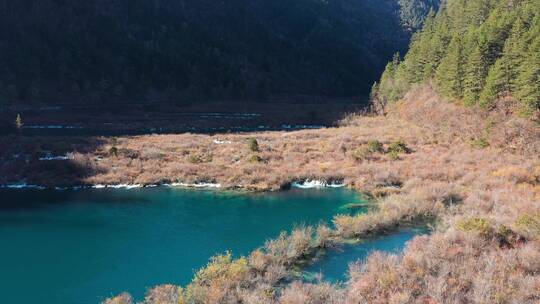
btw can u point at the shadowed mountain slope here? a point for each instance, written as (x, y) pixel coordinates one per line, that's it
(57, 51)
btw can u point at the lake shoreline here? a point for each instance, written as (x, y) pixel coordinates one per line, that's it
(306, 184)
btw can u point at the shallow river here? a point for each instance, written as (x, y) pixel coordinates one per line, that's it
(81, 246)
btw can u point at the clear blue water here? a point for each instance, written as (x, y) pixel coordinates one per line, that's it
(82, 246)
(334, 265)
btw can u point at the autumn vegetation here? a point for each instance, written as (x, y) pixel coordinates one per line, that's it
(483, 202)
(456, 144)
(421, 162)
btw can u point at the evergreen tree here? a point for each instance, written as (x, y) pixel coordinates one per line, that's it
(419, 54)
(495, 83)
(450, 72)
(476, 70)
(387, 87)
(435, 54)
(513, 54)
(528, 81)
(413, 65)
(18, 122)
(373, 95)
(503, 74)
(414, 12)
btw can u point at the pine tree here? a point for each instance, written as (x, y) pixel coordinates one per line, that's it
(495, 83)
(513, 54)
(413, 12)
(18, 122)
(450, 72)
(413, 65)
(497, 29)
(476, 70)
(436, 51)
(528, 81)
(374, 91)
(418, 56)
(385, 87)
(388, 90)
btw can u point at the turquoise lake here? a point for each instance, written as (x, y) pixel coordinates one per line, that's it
(82, 246)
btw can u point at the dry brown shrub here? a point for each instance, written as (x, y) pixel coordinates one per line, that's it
(323, 235)
(305, 293)
(275, 273)
(165, 294)
(529, 258)
(123, 298)
(218, 282)
(259, 294)
(449, 122)
(516, 174)
(150, 153)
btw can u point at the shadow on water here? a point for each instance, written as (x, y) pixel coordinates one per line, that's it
(140, 118)
(48, 161)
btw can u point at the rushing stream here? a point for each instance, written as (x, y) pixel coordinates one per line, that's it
(80, 246)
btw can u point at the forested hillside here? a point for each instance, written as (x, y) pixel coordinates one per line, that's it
(475, 51)
(162, 50)
(414, 12)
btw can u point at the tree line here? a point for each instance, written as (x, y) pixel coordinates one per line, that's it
(414, 12)
(475, 51)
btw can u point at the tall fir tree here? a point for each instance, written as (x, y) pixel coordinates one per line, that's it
(417, 57)
(495, 82)
(450, 72)
(503, 74)
(436, 49)
(513, 54)
(18, 122)
(475, 71)
(528, 81)
(388, 87)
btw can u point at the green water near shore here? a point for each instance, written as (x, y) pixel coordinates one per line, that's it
(82, 246)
